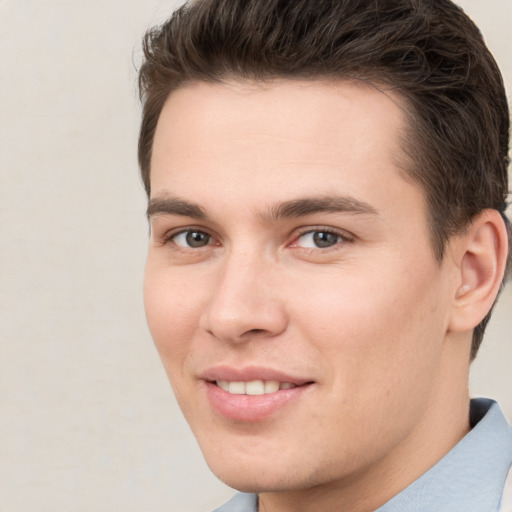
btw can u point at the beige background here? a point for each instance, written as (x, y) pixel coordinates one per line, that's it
(87, 420)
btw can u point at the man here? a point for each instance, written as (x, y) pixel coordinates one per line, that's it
(327, 184)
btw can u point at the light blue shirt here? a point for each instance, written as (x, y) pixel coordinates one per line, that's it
(469, 478)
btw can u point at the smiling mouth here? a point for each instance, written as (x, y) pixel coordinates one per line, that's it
(254, 387)
(252, 400)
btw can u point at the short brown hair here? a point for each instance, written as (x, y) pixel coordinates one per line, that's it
(427, 50)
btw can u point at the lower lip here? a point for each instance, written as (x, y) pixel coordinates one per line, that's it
(251, 408)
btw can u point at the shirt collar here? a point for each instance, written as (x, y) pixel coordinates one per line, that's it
(471, 476)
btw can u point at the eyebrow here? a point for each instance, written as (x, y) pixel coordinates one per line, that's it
(324, 204)
(286, 210)
(174, 206)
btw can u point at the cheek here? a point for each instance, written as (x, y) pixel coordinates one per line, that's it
(172, 319)
(172, 316)
(380, 346)
(374, 325)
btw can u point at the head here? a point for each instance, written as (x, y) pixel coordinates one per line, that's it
(392, 116)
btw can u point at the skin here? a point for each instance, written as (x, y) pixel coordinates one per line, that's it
(366, 320)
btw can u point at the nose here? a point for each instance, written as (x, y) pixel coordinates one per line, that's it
(245, 302)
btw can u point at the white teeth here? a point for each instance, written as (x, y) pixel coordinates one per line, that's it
(254, 387)
(237, 388)
(271, 386)
(224, 384)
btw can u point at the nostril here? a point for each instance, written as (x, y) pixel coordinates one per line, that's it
(255, 331)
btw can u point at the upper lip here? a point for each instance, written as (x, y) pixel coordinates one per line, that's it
(250, 373)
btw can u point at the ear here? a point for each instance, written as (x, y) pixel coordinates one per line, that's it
(481, 257)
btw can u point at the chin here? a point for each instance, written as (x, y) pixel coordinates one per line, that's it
(256, 476)
(244, 476)
(247, 480)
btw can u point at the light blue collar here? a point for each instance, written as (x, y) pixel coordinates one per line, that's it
(471, 476)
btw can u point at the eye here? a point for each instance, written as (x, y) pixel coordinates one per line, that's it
(192, 239)
(319, 239)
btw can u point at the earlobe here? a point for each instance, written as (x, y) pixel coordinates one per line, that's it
(482, 259)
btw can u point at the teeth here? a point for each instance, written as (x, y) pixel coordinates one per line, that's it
(237, 388)
(254, 387)
(224, 384)
(271, 386)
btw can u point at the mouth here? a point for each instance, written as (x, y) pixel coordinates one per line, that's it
(253, 394)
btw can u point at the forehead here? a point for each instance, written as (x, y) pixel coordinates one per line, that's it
(318, 112)
(270, 141)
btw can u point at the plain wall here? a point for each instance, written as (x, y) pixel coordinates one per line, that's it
(87, 418)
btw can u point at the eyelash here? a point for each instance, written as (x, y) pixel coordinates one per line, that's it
(342, 236)
(170, 237)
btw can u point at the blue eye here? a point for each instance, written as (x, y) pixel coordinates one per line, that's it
(192, 239)
(319, 239)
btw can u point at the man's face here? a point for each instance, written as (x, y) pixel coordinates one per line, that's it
(290, 262)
